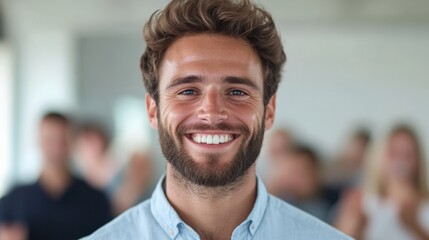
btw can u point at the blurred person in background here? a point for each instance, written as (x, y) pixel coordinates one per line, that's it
(279, 140)
(135, 183)
(395, 203)
(297, 179)
(126, 185)
(57, 205)
(276, 143)
(95, 163)
(347, 169)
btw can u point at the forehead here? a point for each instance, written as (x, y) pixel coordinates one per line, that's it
(52, 125)
(210, 55)
(402, 139)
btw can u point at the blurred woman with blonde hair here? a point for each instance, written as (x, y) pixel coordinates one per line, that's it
(394, 204)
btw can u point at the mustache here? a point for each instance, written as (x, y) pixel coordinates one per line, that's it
(243, 129)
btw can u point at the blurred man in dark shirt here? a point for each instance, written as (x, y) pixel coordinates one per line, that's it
(297, 179)
(57, 205)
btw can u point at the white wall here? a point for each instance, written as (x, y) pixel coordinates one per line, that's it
(338, 76)
(46, 82)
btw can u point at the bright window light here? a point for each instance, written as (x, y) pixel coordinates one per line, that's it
(6, 116)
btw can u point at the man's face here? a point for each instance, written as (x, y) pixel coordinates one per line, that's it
(298, 176)
(54, 142)
(210, 116)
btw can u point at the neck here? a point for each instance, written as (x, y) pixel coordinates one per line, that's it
(399, 187)
(55, 180)
(213, 212)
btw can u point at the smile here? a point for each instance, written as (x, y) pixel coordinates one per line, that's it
(212, 138)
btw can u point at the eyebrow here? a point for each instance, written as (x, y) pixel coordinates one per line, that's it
(241, 80)
(199, 79)
(184, 80)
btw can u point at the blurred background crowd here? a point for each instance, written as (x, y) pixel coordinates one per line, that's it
(348, 145)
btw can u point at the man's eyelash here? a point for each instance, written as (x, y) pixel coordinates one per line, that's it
(234, 92)
(187, 92)
(240, 92)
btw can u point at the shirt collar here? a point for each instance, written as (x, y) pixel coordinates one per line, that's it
(163, 212)
(258, 211)
(73, 184)
(169, 220)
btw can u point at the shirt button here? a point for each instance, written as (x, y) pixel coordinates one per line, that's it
(170, 232)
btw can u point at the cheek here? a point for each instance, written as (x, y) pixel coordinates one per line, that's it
(249, 113)
(172, 114)
(413, 163)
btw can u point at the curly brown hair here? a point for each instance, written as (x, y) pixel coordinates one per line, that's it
(242, 19)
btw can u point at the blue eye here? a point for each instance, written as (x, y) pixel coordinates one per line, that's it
(188, 92)
(237, 92)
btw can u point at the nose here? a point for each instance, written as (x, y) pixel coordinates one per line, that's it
(212, 109)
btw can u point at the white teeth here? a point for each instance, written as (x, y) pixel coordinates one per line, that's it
(209, 139)
(212, 139)
(215, 139)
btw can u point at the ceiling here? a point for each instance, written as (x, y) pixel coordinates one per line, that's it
(24, 16)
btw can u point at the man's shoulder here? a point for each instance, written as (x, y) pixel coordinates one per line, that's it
(295, 222)
(21, 191)
(14, 204)
(136, 221)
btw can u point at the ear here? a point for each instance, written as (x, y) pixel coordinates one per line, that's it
(152, 110)
(270, 111)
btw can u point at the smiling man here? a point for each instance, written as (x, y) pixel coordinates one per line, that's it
(211, 69)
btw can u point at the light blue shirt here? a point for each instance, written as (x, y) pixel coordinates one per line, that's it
(270, 218)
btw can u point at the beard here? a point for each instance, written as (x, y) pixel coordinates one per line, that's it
(211, 173)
